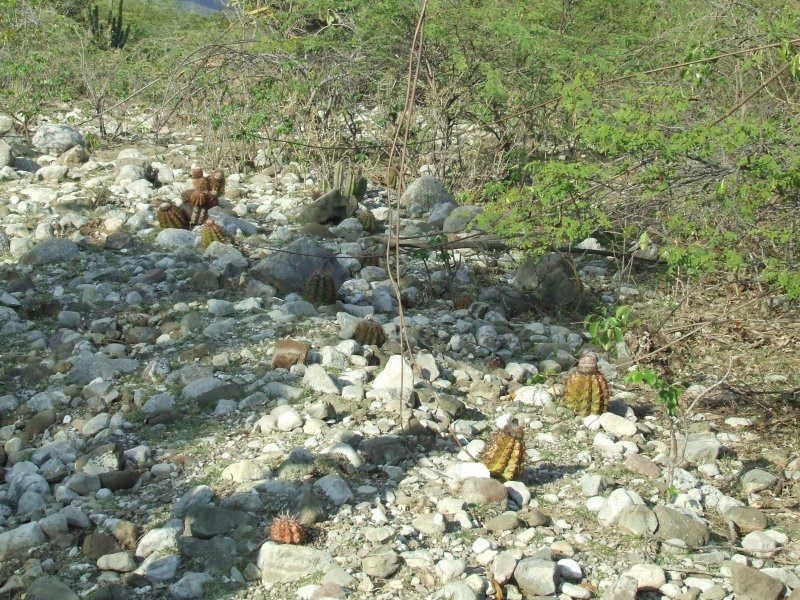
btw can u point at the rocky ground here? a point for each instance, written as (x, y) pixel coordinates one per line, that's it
(162, 405)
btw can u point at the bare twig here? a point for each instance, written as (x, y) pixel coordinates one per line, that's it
(711, 388)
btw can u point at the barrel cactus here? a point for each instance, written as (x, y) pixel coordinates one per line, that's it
(200, 203)
(172, 217)
(211, 231)
(504, 455)
(320, 289)
(369, 332)
(360, 188)
(368, 221)
(287, 529)
(199, 180)
(216, 182)
(586, 390)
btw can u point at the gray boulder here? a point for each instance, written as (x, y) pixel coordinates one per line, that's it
(426, 192)
(176, 238)
(55, 139)
(54, 250)
(87, 367)
(105, 458)
(49, 588)
(16, 542)
(459, 218)
(6, 154)
(6, 124)
(74, 157)
(440, 212)
(554, 277)
(330, 208)
(536, 577)
(288, 271)
(674, 525)
(282, 563)
(750, 583)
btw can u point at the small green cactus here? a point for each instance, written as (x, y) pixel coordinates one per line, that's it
(211, 231)
(369, 332)
(320, 289)
(172, 217)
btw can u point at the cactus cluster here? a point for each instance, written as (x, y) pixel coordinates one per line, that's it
(172, 217)
(349, 183)
(112, 36)
(320, 289)
(205, 195)
(504, 455)
(211, 231)
(369, 332)
(287, 529)
(586, 390)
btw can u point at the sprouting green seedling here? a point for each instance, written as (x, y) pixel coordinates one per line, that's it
(608, 330)
(668, 393)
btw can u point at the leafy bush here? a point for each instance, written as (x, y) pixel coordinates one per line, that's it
(619, 120)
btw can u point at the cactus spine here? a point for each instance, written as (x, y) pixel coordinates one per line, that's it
(586, 390)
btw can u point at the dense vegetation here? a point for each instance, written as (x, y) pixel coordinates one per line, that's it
(641, 122)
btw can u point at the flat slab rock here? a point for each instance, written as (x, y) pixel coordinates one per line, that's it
(54, 250)
(49, 588)
(284, 563)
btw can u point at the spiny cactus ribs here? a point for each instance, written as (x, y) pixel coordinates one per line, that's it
(586, 390)
(206, 194)
(172, 217)
(369, 332)
(505, 453)
(368, 221)
(287, 529)
(216, 182)
(212, 232)
(320, 289)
